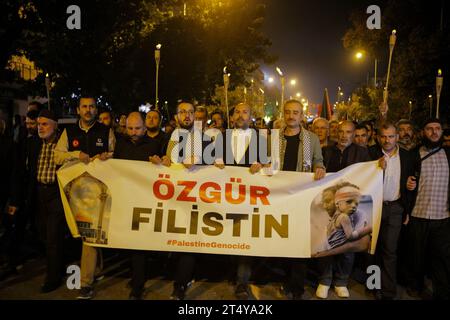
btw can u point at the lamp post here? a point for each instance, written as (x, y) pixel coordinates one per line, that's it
(439, 81)
(157, 59)
(375, 75)
(410, 109)
(47, 86)
(226, 82)
(430, 99)
(282, 89)
(359, 55)
(392, 40)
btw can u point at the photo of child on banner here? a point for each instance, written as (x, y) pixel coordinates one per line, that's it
(340, 215)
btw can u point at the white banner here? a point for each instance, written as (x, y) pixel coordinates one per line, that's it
(138, 205)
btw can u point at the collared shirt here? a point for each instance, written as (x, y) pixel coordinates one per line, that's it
(240, 140)
(62, 152)
(184, 145)
(46, 169)
(391, 181)
(432, 192)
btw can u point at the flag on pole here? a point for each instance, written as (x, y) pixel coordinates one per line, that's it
(324, 110)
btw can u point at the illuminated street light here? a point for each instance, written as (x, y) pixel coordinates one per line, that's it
(47, 86)
(359, 55)
(392, 40)
(430, 99)
(282, 89)
(298, 94)
(293, 82)
(270, 80)
(157, 59)
(226, 82)
(439, 81)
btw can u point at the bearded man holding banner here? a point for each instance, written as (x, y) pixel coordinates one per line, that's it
(137, 146)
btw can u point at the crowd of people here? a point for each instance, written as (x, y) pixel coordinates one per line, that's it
(414, 236)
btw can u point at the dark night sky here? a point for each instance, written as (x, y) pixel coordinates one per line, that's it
(307, 38)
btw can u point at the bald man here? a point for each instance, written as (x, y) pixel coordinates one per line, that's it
(137, 146)
(345, 152)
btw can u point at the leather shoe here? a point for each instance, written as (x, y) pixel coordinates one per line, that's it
(50, 286)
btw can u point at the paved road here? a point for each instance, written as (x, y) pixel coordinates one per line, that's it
(212, 282)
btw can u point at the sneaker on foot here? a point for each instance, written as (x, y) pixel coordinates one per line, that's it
(86, 293)
(322, 291)
(342, 292)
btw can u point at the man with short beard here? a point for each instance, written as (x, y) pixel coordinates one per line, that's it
(429, 224)
(86, 141)
(104, 117)
(406, 134)
(140, 147)
(31, 123)
(186, 147)
(396, 165)
(361, 136)
(242, 148)
(154, 132)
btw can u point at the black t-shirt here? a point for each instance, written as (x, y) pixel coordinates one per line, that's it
(161, 140)
(140, 151)
(291, 154)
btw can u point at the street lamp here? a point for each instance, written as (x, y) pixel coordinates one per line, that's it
(282, 88)
(410, 109)
(298, 94)
(270, 80)
(359, 55)
(157, 59)
(226, 82)
(293, 82)
(439, 81)
(392, 40)
(47, 86)
(430, 99)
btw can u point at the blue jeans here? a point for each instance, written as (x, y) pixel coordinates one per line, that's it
(336, 269)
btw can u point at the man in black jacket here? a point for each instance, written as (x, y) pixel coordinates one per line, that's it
(242, 147)
(344, 153)
(397, 165)
(22, 200)
(137, 146)
(86, 141)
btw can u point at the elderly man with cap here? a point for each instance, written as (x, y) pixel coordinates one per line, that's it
(429, 223)
(50, 219)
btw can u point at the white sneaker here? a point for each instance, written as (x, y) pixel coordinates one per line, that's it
(322, 291)
(342, 292)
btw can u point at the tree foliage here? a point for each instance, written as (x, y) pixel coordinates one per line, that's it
(113, 53)
(422, 48)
